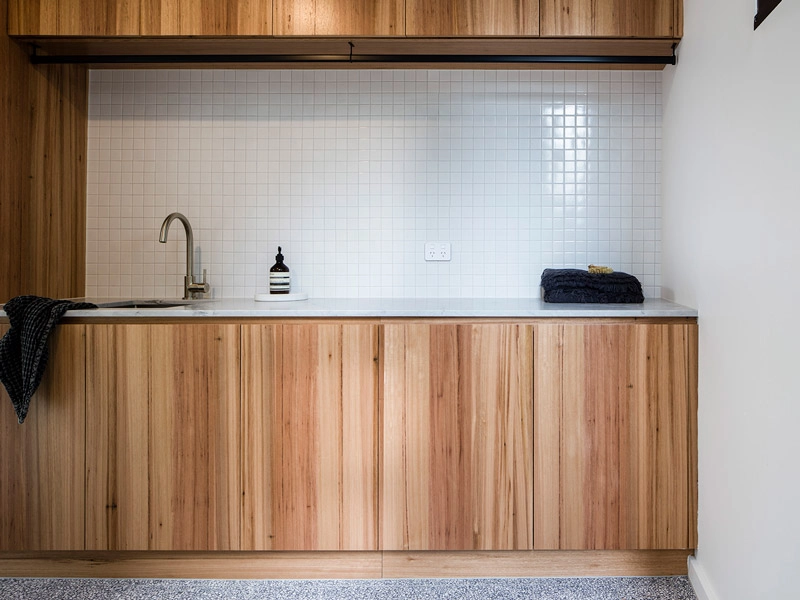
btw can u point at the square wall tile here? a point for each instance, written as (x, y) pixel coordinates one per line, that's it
(351, 172)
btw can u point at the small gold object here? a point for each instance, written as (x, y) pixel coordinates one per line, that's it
(599, 269)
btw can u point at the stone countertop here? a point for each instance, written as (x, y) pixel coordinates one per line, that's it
(391, 308)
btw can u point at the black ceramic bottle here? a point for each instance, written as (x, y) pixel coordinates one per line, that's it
(279, 276)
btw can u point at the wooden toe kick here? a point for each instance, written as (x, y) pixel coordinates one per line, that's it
(344, 565)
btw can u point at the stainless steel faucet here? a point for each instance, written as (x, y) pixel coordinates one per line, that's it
(191, 288)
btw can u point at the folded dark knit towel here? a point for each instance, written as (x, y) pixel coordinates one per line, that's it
(578, 286)
(23, 349)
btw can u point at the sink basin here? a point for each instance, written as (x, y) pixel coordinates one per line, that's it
(154, 303)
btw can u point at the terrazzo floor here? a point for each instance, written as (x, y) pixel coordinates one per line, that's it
(592, 588)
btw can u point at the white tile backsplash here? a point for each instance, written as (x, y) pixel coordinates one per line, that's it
(352, 171)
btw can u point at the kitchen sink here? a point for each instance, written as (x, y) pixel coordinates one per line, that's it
(153, 303)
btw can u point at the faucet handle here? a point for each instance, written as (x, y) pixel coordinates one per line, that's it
(201, 287)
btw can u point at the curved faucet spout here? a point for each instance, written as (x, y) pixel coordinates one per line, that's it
(190, 286)
(162, 237)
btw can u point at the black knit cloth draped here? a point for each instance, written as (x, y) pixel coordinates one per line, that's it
(578, 286)
(23, 349)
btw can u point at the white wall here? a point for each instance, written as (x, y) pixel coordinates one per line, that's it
(731, 231)
(352, 171)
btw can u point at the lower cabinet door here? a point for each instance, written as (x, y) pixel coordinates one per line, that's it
(310, 436)
(195, 437)
(457, 470)
(163, 437)
(613, 430)
(41, 477)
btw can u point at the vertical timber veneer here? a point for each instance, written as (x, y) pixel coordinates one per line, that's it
(466, 18)
(164, 428)
(43, 126)
(613, 427)
(41, 479)
(310, 436)
(457, 457)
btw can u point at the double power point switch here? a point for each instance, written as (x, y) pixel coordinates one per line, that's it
(437, 251)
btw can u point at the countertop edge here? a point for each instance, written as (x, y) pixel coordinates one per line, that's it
(393, 308)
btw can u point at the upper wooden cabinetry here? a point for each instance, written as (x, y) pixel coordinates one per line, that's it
(204, 17)
(610, 18)
(109, 18)
(43, 165)
(454, 18)
(339, 17)
(368, 18)
(74, 17)
(397, 33)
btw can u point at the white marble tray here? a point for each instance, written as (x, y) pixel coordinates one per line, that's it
(291, 297)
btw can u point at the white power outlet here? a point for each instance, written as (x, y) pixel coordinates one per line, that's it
(437, 251)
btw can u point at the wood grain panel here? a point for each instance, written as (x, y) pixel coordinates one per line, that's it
(32, 17)
(405, 500)
(98, 17)
(194, 437)
(457, 470)
(618, 395)
(195, 565)
(346, 565)
(199, 17)
(261, 360)
(339, 17)
(117, 401)
(41, 482)
(548, 352)
(310, 420)
(253, 17)
(14, 131)
(661, 478)
(691, 368)
(74, 17)
(677, 19)
(54, 217)
(586, 563)
(609, 18)
(449, 18)
(43, 187)
(360, 435)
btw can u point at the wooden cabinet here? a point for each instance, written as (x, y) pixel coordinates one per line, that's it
(74, 17)
(310, 427)
(118, 408)
(43, 125)
(613, 436)
(355, 435)
(206, 18)
(41, 480)
(381, 33)
(375, 18)
(457, 423)
(611, 18)
(163, 416)
(452, 18)
(194, 437)
(109, 18)
(339, 17)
